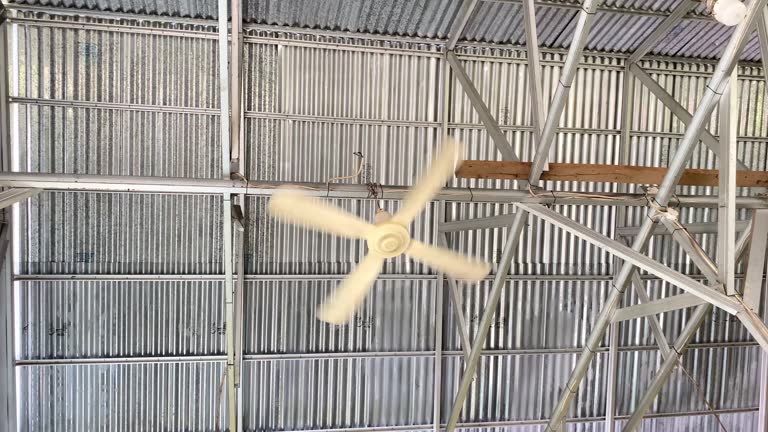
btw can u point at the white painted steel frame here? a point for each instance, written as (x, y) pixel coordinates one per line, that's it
(575, 51)
(707, 104)
(8, 197)
(635, 258)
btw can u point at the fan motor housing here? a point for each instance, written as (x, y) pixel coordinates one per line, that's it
(389, 239)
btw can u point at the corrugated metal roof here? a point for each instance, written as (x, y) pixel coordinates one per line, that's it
(492, 21)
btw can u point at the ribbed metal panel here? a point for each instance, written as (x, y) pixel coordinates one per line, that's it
(732, 422)
(120, 233)
(139, 397)
(531, 314)
(119, 319)
(527, 387)
(118, 142)
(117, 67)
(280, 317)
(312, 394)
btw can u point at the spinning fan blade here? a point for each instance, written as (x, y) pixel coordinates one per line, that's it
(439, 172)
(300, 209)
(348, 296)
(454, 265)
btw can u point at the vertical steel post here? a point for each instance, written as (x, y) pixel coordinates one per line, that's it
(237, 167)
(224, 87)
(726, 212)
(583, 25)
(224, 124)
(753, 280)
(613, 364)
(534, 69)
(762, 33)
(438, 361)
(7, 331)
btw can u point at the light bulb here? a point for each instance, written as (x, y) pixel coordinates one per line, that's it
(729, 12)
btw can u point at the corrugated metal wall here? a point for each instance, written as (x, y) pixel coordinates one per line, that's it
(310, 105)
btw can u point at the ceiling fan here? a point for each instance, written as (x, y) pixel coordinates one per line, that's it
(388, 237)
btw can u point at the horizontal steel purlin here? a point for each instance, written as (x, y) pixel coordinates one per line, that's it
(181, 185)
(53, 277)
(354, 355)
(512, 423)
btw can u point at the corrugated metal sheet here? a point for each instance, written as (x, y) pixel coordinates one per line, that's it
(316, 394)
(492, 21)
(120, 233)
(117, 67)
(527, 387)
(281, 318)
(119, 319)
(142, 397)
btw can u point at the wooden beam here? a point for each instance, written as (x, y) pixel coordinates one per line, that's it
(507, 170)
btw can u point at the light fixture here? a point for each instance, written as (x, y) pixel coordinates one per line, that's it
(727, 12)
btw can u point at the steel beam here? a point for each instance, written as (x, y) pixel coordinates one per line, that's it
(568, 73)
(538, 115)
(9, 197)
(753, 283)
(7, 331)
(490, 123)
(653, 320)
(762, 421)
(633, 257)
(574, 55)
(692, 248)
(64, 277)
(237, 147)
(692, 228)
(223, 47)
(661, 30)
(505, 262)
(177, 185)
(457, 305)
(703, 114)
(697, 318)
(224, 126)
(613, 365)
(726, 211)
(680, 346)
(678, 110)
(656, 307)
(457, 28)
(609, 9)
(229, 311)
(438, 342)
(478, 223)
(762, 33)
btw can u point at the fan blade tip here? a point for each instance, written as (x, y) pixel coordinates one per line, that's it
(330, 316)
(478, 272)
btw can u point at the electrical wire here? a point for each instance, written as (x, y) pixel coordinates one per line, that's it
(357, 173)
